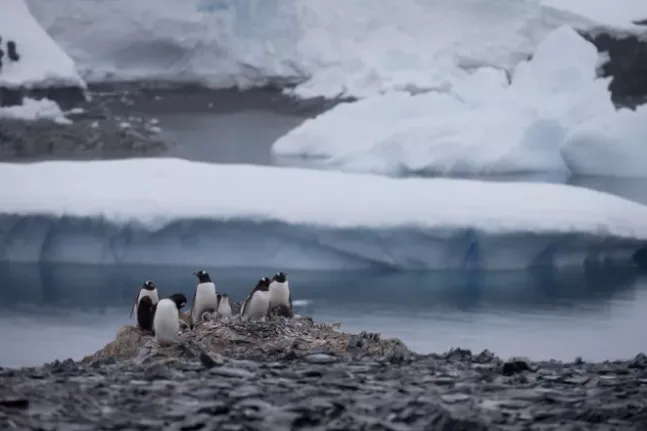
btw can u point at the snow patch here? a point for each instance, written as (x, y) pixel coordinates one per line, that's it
(42, 63)
(170, 211)
(329, 47)
(32, 110)
(485, 126)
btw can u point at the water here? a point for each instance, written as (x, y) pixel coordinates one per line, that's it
(60, 310)
(57, 311)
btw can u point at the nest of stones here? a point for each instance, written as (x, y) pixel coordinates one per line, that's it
(276, 338)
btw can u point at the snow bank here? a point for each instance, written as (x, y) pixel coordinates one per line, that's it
(42, 63)
(329, 47)
(169, 211)
(30, 110)
(554, 116)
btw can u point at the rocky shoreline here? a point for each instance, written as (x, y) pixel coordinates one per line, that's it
(299, 375)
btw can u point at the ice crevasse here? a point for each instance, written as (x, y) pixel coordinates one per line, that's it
(554, 115)
(176, 212)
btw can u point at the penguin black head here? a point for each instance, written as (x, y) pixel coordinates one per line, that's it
(263, 284)
(179, 299)
(203, 276)
(149, 285)
(280, 277)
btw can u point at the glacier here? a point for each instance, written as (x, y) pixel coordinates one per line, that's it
(554, 115)
(42, 62)
(330, 48)
(177, 212)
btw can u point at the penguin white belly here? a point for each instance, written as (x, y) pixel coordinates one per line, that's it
(152, 294)
(224, 310)
(280, 294)
(166, 322)
(205, 297)
(256, 306)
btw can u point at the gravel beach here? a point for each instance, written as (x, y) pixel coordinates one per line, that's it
(298, 375)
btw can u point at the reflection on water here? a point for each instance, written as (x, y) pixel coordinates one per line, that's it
(56, 311)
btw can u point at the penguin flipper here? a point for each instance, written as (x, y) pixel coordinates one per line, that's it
(132, 309)
(242, 309)
(290, 299)
(193, 304)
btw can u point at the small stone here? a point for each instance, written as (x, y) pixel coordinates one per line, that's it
(320, 358)
(231, 372)
(455, 398)
(14, 402)
(210, 360)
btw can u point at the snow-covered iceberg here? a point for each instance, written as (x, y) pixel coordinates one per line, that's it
(555, 115)
(170, 211)
(42, 63)
(331, 47)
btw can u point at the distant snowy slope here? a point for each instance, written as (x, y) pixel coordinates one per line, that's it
(332, 47)
(42, 63)
(614, 14)
(179, 212)
(547, 119)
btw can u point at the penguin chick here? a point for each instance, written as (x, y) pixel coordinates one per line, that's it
(145, 313)
(208, 315)
(148, 289)
(257, 303)
(224, 306)
(166, 322)
(280, 291)
(204, 296)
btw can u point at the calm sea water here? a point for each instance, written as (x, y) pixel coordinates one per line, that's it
(57, 311)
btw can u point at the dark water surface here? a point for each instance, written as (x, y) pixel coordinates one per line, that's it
(57, 311)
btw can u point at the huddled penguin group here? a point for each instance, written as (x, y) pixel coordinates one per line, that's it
(163, 317)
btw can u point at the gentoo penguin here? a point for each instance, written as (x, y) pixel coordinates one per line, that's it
(180, 300)
(224, 306)
(204, 296)
(148, 289)
(207, 315)
(145, 313)
(258, 302)
(166, 322)
(280, 291)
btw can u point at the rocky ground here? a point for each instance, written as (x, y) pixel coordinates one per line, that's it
(298, 375)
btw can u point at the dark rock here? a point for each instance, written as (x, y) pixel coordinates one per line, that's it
(514, 367)
(627, 64)
(14, 402)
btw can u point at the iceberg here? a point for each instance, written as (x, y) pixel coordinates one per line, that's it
(555, 115)
(177, 212)
(42, 62)
(32, 110)
(329, 48)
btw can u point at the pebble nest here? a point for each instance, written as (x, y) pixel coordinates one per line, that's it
(295, 374)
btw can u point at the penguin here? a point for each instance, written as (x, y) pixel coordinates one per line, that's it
(166, 323)
(11, 51)
(224, 306)
(148, 289)
(180, 300)
(204, 297)
(280, 291)
(257, 303)
(145, 313)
